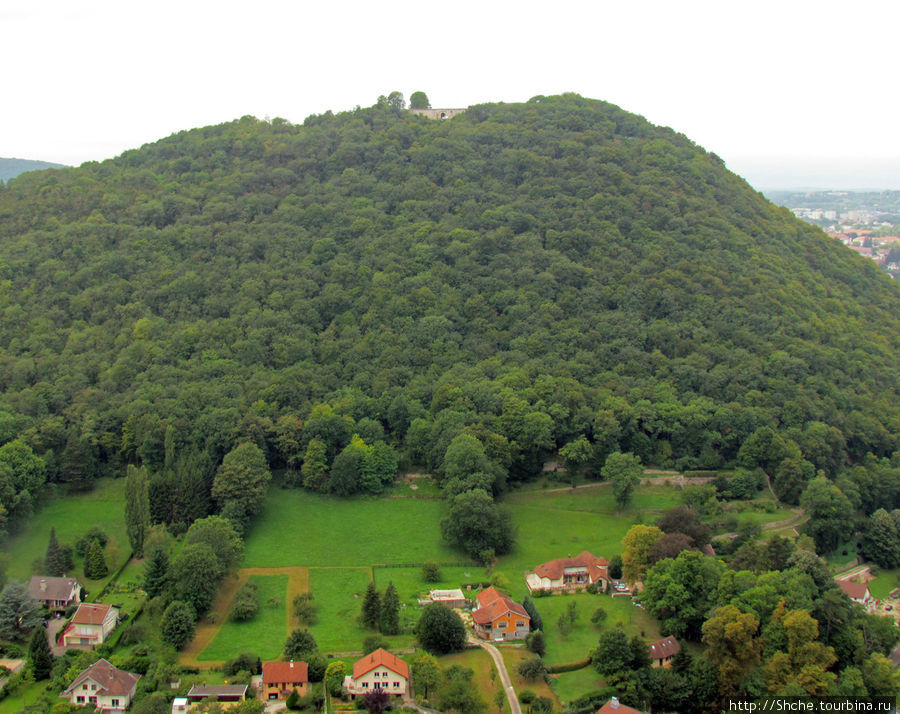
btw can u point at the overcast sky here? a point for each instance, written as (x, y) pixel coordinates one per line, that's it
(787, 87)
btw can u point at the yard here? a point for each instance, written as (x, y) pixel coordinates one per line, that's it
(265, 634)
(71, 516)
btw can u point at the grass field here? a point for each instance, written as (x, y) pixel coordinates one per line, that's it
(265, 634)
(485, 681)
(577, 645)
(513, 657)
(72, 515)
(572, 685)
(410, 585)
(27, 695)
(884, 582)
(301, 528)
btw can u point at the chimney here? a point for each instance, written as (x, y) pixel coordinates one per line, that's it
(614, 703)
(292, 664)
(43, 585)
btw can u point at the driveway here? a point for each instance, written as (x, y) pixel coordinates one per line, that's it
(501, 668)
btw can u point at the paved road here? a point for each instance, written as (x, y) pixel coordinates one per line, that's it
(504, 675)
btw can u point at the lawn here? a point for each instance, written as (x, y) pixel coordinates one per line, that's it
(72, 515)
(884, 582)
(410, 586)
(577, 645)
(301, 528)
(265, 634)
(513, 657)
(27, 695)
(338, 594)
(571, 685)
(485, 680)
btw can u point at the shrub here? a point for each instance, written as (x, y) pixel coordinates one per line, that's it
(245, 604)
(431, 572)
(532, 669)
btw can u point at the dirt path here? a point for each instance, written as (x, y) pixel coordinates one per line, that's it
(794, 520)
(674, 479)
(298, 582)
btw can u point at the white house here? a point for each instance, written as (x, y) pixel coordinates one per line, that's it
(91, 625)
(107, 688)
(378, 670)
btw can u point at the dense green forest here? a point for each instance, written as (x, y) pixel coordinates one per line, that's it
(533, 276)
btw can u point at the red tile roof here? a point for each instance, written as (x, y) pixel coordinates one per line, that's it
(668, 647)
(89, 613)
(288, 672)
(113, 682)
(856, 591)
(494, 604)
(613, 706)
(553, 570)
(380, 658)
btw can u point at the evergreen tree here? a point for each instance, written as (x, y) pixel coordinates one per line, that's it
(536, 622)
(55, 559)
(371, 607)
(390, 611)
(39, 654)
(157, 572)
(137, 508)
(95, 562)
(177, 626)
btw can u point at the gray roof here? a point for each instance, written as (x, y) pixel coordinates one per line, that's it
(217, 690)
(44, 587)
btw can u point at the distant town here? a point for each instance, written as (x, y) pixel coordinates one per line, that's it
(866, 222)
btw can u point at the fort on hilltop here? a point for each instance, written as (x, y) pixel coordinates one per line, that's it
(438, 113)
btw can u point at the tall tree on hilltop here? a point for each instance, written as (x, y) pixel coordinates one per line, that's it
(137, 508)
(419, 100)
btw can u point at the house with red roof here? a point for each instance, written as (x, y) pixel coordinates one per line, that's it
(614, 706)
(499, 617)
(107, 688)
(857, 592)
(90, 625)
(279, 679)
(569, 574)
(378, 670)
(663, 652)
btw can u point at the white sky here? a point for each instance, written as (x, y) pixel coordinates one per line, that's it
(763, 83)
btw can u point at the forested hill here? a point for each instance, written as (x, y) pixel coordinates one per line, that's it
(10, 168)
(530, 273)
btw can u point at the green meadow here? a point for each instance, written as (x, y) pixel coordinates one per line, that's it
(72, 515)
(265, 634)
(301, 528)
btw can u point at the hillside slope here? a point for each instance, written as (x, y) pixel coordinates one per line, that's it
(10, 168)
(530, 273)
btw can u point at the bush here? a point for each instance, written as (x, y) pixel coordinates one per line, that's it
(246, 661)
(305, 608)
(431, 572)
(599, 616)
(245, 604)
(535, 643)
(532, 669)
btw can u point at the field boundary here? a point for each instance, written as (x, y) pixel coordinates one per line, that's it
(298, 582)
